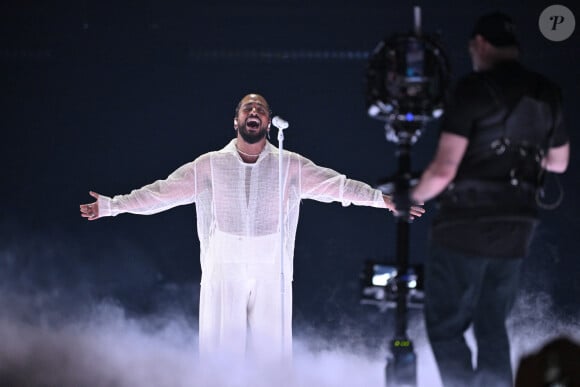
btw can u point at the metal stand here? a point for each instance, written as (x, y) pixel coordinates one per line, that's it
(281, 125)
(401, 368)
(406, 79)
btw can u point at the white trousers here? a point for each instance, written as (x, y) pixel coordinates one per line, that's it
(243, 317)
(240, 309)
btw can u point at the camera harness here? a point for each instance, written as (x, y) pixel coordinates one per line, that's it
(520, 155)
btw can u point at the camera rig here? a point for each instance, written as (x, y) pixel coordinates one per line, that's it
(406, 79)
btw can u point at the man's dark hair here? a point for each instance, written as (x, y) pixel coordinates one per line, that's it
(240, 105)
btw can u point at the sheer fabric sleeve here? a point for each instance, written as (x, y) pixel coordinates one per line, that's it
(177, 189)
(326, 185)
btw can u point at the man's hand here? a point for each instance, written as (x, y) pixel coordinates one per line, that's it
(416, 211)
(91, 211)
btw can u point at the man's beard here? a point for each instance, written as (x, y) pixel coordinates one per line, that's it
(252, 138)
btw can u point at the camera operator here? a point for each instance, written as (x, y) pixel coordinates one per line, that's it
(502, 130)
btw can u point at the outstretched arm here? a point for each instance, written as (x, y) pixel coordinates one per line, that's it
(179, 188)
(326, 185)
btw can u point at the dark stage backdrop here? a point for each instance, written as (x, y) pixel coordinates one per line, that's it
(109, 96)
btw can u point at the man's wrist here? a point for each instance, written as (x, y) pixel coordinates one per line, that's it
(389, 202)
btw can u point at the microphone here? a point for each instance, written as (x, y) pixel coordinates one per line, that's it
(280, 123)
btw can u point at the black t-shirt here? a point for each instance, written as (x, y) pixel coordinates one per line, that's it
(477, 108)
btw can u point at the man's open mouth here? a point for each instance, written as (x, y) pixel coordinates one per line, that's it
(253, 123)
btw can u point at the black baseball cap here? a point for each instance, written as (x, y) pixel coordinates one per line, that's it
(497, 28)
